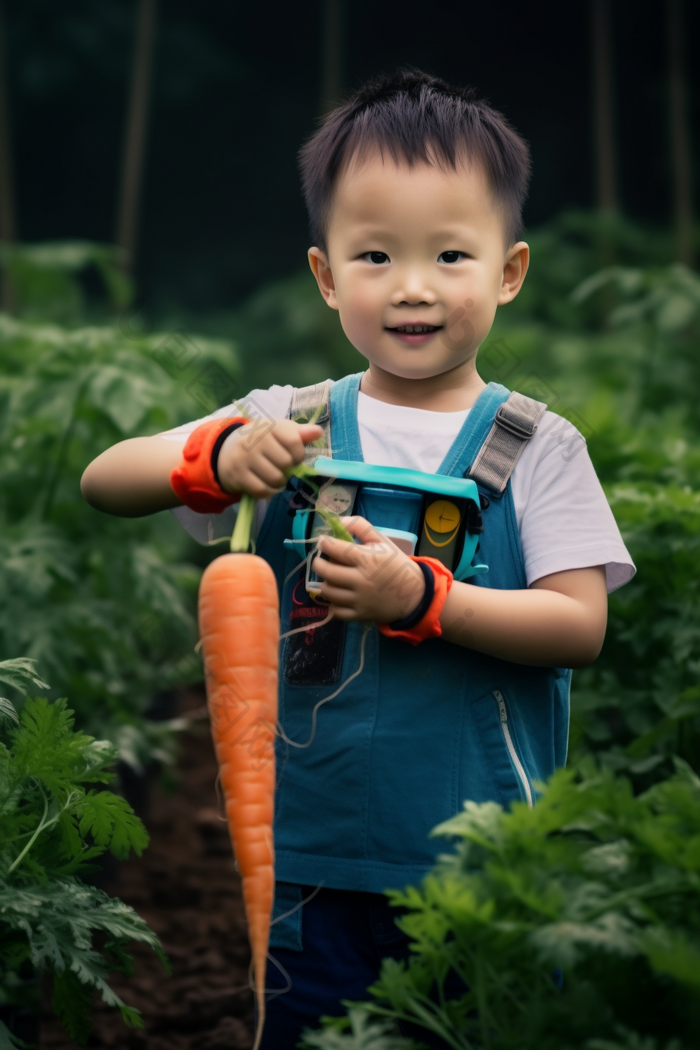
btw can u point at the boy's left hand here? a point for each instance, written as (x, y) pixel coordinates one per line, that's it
(370, 580)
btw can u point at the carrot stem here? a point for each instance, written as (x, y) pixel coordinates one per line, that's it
(240, 538)
(335, 524)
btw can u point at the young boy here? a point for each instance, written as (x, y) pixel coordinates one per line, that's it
(414, 191)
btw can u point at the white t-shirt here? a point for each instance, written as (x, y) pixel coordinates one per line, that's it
(564, 519)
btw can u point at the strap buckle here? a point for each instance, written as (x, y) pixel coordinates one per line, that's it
(510, 426)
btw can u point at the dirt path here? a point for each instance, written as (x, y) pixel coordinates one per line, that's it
(186, 888)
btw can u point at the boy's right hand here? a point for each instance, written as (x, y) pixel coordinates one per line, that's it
(252, 459)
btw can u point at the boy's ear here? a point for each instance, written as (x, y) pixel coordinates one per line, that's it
(322, 272)
(515, 267)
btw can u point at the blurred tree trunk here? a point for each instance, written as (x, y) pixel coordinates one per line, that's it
(604, 146)
(7, 202)
(135, 138)
(603, 119)
(680, 133)
(332, 54)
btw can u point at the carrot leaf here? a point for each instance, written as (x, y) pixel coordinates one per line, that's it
(241, 539)
(335, 523)
(112, 823)
(53, 824)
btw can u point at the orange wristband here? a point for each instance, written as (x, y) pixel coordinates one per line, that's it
(195, 481)
(429, 626)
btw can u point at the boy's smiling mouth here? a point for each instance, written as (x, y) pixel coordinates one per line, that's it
(416, 328)
(414, 334)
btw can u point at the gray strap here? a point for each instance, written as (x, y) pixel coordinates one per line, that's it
(305, 400)
(514, 424)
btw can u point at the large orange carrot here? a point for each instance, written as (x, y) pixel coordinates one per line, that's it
(239, 632)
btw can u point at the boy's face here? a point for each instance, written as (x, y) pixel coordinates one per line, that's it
(417, 246)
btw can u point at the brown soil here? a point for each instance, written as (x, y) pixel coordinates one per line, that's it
(186, 888)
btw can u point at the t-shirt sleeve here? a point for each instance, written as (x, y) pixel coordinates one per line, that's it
(269, 404)
(564, 518)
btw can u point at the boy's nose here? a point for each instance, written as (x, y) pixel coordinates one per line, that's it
(413, 290)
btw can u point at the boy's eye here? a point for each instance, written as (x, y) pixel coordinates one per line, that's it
(451, 257)
(376, 257)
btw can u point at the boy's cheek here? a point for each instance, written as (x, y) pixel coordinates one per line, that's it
(359, 311)
(358, 331)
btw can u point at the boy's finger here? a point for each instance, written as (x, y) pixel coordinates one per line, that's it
(364, 530)
(310, 432)
(254, 432)
(339, 550)
(334, 574)
(270, 475)
(294, 437)
(279, 456)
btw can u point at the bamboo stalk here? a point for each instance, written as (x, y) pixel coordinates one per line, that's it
(604, 123)
(7, 197)
(680, 133)
(136, 126)
(332, 55)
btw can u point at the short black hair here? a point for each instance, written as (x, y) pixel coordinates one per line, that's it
(405, 112)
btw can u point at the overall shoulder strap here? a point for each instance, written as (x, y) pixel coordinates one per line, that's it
(305, 401)
(514, 424)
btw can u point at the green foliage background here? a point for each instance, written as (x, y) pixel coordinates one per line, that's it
(602, 878)
(105, 605)
(53, 822)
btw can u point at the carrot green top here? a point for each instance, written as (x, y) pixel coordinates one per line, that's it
(240, 539)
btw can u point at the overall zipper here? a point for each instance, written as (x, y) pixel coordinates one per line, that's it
(515, 758)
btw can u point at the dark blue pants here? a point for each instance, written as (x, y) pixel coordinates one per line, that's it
(345, 936)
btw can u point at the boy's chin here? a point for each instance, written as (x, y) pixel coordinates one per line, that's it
(416, 375)
(415, 369)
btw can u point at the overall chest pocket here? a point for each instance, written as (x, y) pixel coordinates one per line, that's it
(309, 657)
(390, 508)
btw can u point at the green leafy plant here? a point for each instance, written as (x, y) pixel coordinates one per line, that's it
(594, 881)
(107, 605)
(607, 331)
(46, 278)
(356, 1031)
(284, 333)
(639, 705)
(53, 822)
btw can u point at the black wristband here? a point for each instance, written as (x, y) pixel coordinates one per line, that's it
(217, 449)
(421, 609)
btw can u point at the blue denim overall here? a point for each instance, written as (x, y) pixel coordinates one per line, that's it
(422, 728)
(418, 732)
